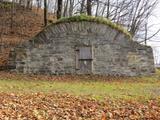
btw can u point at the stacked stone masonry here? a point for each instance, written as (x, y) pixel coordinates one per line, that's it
(82, 48)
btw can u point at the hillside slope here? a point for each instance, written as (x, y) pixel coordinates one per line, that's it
(16, 26)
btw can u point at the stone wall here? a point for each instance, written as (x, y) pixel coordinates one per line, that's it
(53, 51)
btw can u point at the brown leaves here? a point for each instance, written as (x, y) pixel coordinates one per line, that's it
(104, 116)
(55, 106)
(70, 78)
(62, 106)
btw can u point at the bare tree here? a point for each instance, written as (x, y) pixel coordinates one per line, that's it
(130, 13)
(89, 7)
(66, 5)
(59, 10)
(45, 12)
(82, 6)
(97, 7)
(71, 7)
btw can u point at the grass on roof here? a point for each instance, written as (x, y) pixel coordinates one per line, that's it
(101, 20)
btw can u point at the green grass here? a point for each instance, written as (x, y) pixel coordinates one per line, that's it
(139, 90)
(100, 20)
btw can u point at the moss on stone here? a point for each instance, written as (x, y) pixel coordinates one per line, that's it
(94, 19)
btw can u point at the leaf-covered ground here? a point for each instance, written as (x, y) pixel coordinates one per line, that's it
(24, 97)
(57, 106)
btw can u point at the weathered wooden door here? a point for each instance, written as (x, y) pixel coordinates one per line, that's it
(84, 60)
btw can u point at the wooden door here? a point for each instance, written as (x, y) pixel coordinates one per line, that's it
(84, 60)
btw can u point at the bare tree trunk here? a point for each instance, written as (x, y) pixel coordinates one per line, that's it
(108, 7)
(66, 8)
(82, 6)
(97, 8)
(28, 4)
(103, 10)
(146, 33)
(45, 12)
(55, 7)
(39, 4)
(12, 15)
(71, 7)
(89, 7)
(59, 10)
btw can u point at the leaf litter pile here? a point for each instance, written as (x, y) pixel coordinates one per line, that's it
(57, 106)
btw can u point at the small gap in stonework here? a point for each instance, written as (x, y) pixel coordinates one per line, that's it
(59, 59)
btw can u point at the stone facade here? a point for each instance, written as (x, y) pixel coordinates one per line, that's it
(82, 48)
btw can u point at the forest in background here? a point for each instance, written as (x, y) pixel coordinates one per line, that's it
(23, 19)
(132, 14)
